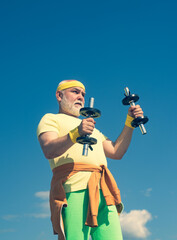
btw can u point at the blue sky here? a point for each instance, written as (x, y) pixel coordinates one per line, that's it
(107, 45)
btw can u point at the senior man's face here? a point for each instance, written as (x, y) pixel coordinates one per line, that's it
(72, 101)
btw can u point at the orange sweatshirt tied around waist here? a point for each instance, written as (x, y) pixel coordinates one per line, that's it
(58, 200)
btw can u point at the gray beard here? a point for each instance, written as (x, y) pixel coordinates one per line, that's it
(68, 107)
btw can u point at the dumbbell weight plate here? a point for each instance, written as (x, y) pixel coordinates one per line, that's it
(128, 99)
(90, 112)
(86, 140)
(139, 120)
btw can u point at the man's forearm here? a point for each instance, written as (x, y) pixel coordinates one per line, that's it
(117, 149)
(123, 141)
(55, 147)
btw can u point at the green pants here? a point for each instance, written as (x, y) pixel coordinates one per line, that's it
(75, 214)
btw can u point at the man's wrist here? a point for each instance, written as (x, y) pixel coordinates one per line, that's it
(74, 134)
(128, 121)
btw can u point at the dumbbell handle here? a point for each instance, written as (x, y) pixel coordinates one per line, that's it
(141, 126)
(86, 146)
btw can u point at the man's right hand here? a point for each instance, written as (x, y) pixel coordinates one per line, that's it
(87, 126)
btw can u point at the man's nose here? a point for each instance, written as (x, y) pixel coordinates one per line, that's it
(80, 97)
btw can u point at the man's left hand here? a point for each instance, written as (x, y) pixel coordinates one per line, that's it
(135, 111)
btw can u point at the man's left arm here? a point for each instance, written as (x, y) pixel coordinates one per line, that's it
(117, 149)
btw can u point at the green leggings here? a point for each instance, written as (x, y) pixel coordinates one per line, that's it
(75, 214)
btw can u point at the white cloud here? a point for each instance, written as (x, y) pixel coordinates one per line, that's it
(42, 195)
(147, 193)
(39, 215)
(44, 205)
(10, 217)
(134, 223)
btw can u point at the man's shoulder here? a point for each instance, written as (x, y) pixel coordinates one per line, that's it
(50, 115)
(60, 117)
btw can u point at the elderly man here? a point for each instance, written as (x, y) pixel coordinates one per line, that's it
(84, 198)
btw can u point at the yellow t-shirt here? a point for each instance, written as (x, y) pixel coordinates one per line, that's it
(62, 124)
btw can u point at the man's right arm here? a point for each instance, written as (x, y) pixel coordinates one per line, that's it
(54, 146)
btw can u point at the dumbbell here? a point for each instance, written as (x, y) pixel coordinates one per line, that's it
(130, 99)
(86, 140)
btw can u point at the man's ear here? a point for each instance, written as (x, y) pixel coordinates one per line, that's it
(59, 95)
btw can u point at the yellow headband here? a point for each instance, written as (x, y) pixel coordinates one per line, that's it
(68, 84)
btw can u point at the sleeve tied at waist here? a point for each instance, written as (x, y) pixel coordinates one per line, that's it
(110, 192)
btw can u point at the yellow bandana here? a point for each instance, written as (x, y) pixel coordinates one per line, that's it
(68, 84)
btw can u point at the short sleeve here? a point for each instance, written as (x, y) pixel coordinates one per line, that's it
(47, 124)
(103, 137)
